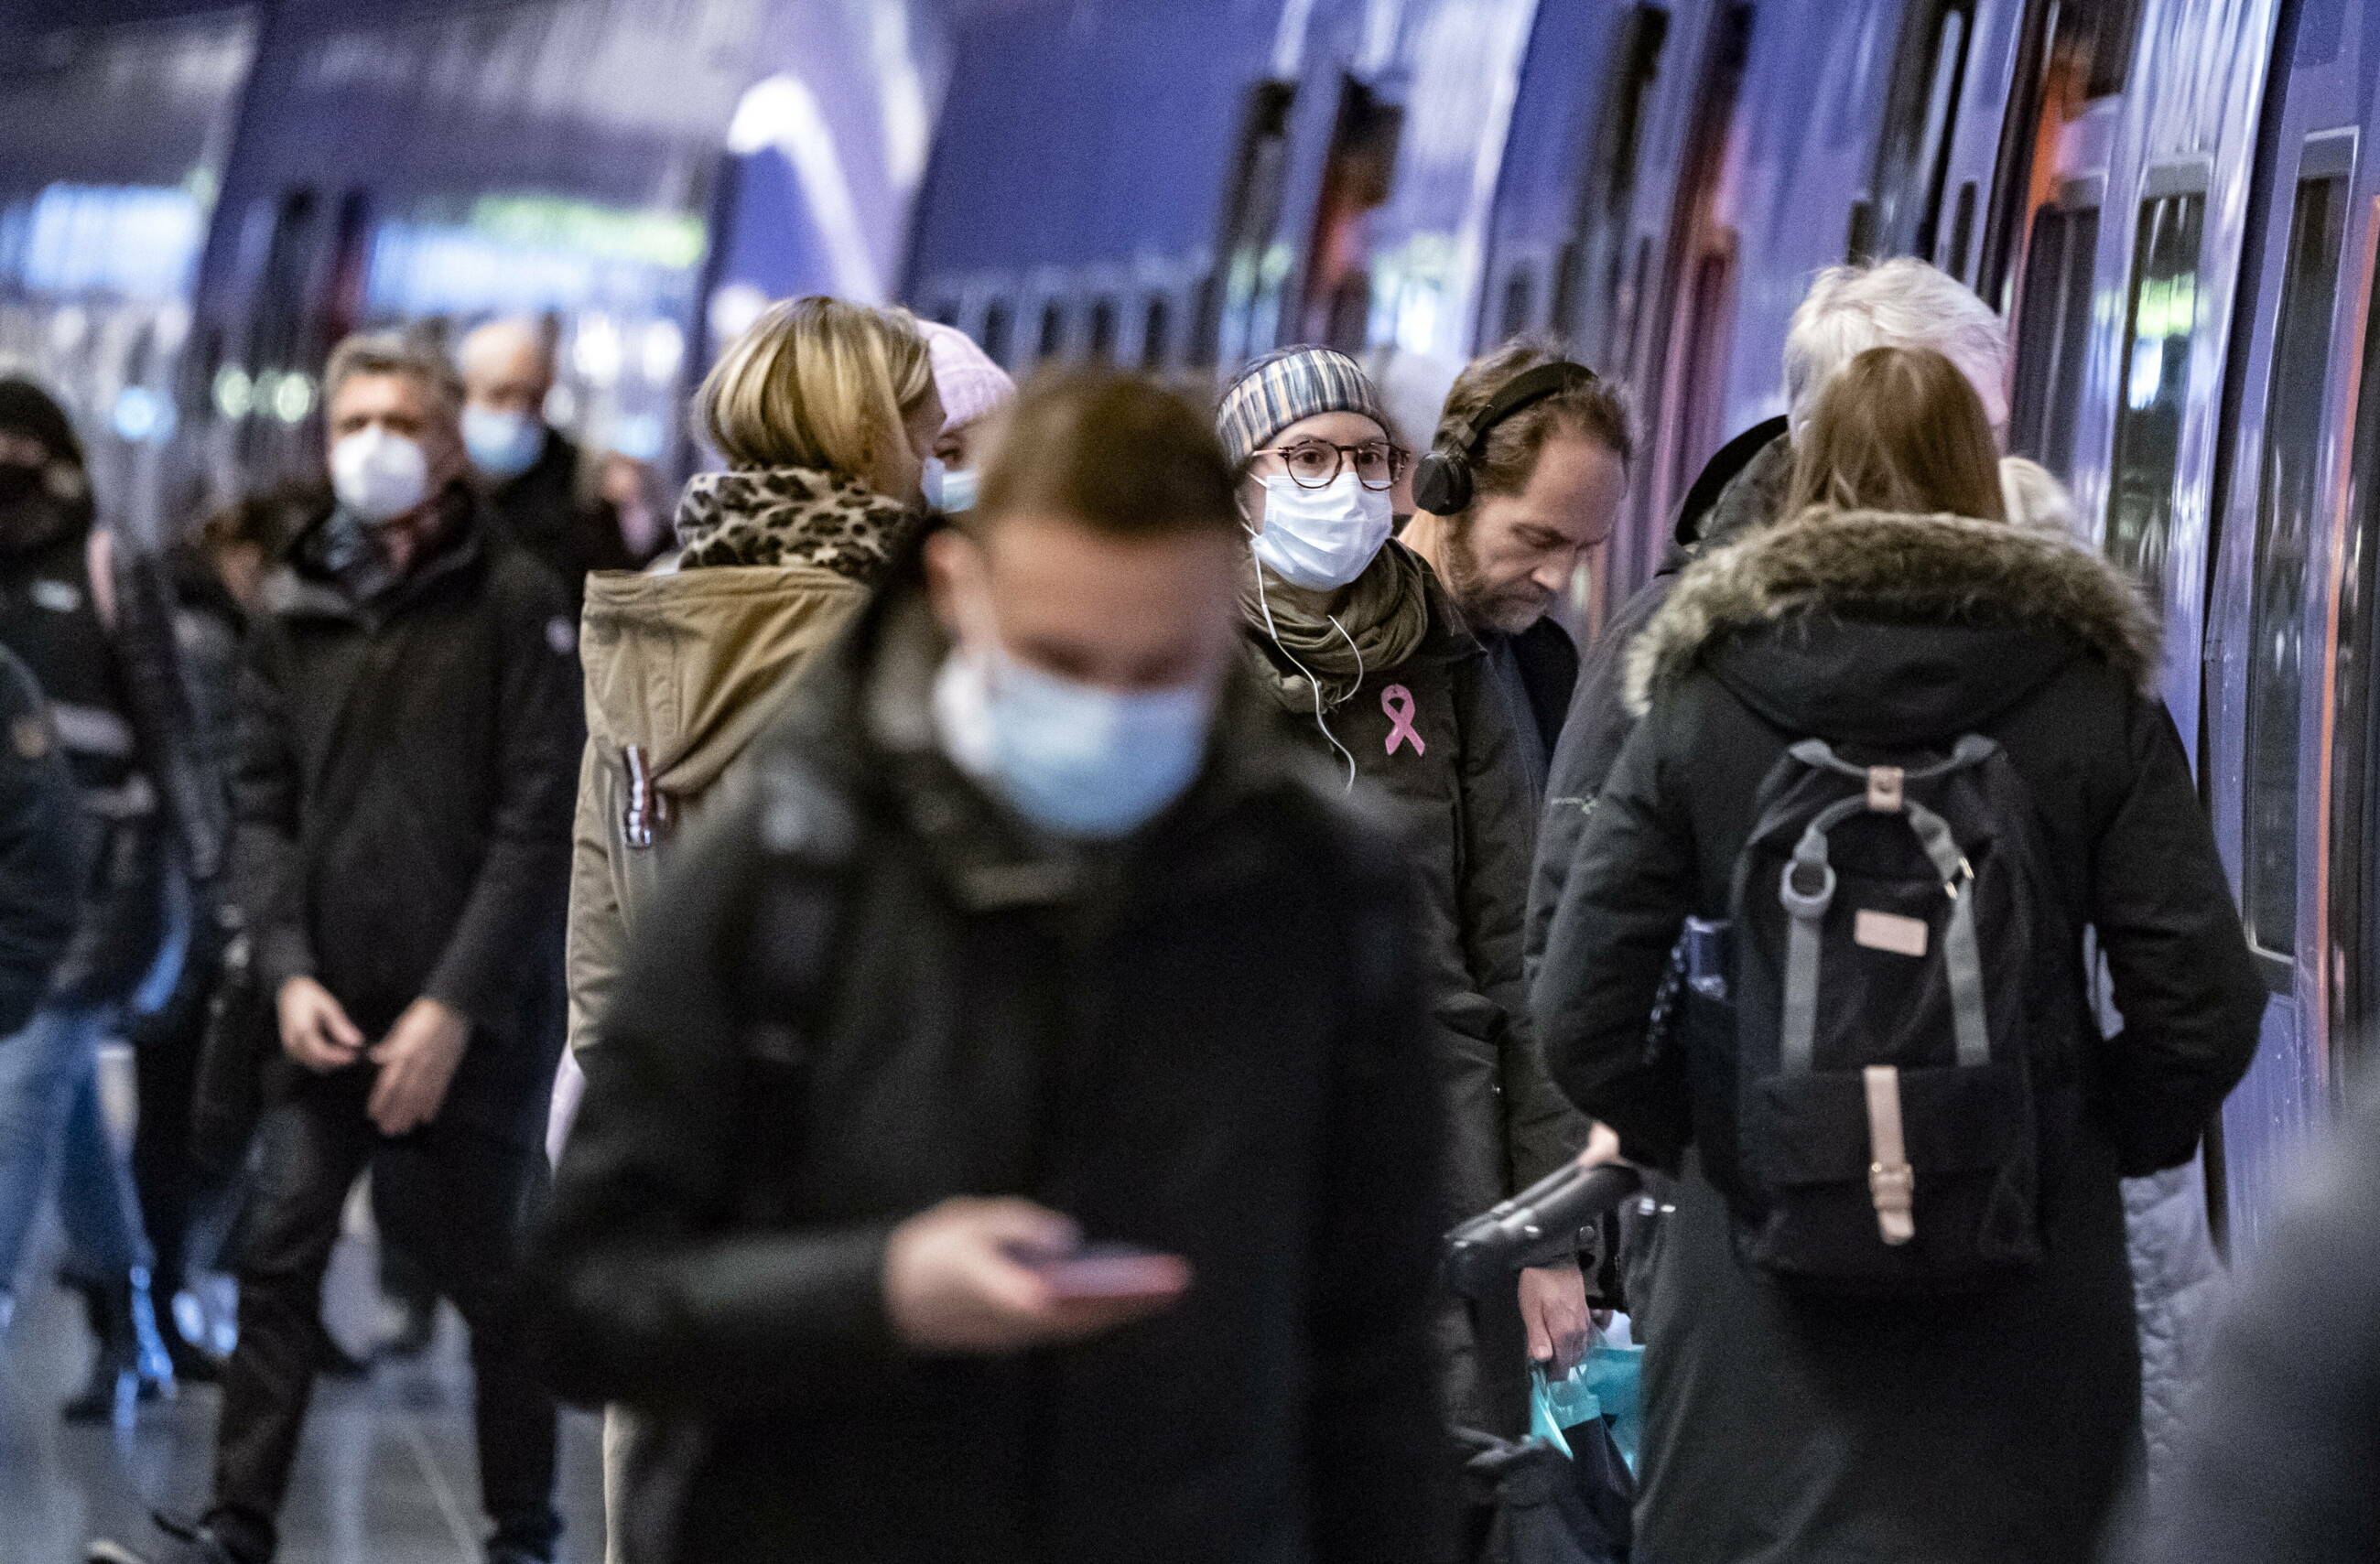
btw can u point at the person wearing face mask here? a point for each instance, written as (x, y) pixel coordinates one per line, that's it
(542, 489)
(1352, 636)
(92, 619)
(974, 390)
(827, 411)
(408, 733)
(1028, 1069)
(1523, 483)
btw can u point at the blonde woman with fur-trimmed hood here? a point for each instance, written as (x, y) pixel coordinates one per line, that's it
(1896, 610)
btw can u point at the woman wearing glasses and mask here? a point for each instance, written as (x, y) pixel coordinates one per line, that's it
(1360, 643)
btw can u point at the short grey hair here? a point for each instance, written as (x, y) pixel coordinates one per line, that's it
(386, 353)
(1900, 303)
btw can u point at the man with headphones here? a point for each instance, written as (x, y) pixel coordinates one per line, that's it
(1524, 478)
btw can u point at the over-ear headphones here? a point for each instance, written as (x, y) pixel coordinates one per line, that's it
(1442, 482)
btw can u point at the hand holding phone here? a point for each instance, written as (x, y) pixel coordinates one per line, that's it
(1113, 1270)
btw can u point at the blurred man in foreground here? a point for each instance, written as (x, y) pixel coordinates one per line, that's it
(409, 742)
(1014, 1138)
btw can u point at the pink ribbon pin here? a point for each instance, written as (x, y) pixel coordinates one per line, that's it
(1397, 702)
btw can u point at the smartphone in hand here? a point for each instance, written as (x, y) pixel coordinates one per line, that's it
(1112, 1270)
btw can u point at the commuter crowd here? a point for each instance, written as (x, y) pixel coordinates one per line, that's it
(1027, 915)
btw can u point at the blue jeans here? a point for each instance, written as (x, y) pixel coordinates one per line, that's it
(50, 1117)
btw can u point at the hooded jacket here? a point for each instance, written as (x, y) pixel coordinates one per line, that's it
(685, 669)
(873, 988)
(1997, 1428)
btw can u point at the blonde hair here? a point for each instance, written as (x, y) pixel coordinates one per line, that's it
(816, 383)
(1898, 429)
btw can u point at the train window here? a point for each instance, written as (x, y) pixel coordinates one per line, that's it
(1053, 331)
(2161, 320)
(1922, 103)
(2285, 522)
(1251, 204)
(2053, 329)
(1335, 304)
(998, 325)
(1103, 331)
(1156, 326)
(1591, 272)
(1963, 231)
(1520, 299)
(2354, 924)
(1859, 241)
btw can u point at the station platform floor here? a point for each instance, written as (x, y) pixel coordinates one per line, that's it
(386, 1475)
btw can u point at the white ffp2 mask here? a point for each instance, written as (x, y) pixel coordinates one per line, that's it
(378, 475)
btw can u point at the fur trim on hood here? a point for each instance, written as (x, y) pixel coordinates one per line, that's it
(1925, 569)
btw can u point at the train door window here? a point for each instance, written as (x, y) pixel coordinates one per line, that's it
(1156, 327)
(1335, 306)
(1963, 232)
(1052, 340)
(2287, 496)
(1251, 200)
(1520, 303)
(998, 326)
(1103, 331)
(2069, 55)
(1588, 280)
(2162, 318)
(2354, 923)
(2053, 329)
(1922, 103)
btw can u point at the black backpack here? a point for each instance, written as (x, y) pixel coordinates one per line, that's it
(1904, 985)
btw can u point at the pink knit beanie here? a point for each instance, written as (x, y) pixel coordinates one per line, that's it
(970, 382)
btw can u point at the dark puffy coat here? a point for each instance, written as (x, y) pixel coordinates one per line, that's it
(41, 857)
(1465, 803)
(405, 777)
(1207, 1040)
(549, 512)
(1741, 490)
(1995, 1427)
(2280, 1461)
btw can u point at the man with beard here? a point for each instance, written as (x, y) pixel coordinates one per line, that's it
(1526, 475)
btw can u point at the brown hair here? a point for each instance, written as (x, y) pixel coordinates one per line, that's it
(1510, 456)
(1120, 453)
(1900, 429)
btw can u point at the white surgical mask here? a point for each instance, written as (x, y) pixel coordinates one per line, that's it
(1071, 757)
(378, 475)
(1322, 538)
(933, 482)
(502, 446)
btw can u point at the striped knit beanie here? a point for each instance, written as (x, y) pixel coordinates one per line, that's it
(1279, 389)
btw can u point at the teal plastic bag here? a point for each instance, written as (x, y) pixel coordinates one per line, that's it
(1604, 1385)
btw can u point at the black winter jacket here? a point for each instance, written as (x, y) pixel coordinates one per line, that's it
(548, 511)
(868, 989)
(404, 795)
(1996, 1427)
(1741, 490)
(40, 848)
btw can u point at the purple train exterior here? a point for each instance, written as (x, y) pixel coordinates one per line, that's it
(2166, 199)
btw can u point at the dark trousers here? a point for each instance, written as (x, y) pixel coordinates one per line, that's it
(176, 1195)
(456, 1199)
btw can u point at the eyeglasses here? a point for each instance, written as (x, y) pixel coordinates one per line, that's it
(1315, 464)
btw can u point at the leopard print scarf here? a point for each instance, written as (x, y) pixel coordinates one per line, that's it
(790, 515)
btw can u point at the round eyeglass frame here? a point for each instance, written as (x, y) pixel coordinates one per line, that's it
(1341, 457)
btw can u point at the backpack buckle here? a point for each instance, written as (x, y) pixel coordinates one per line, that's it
(1892, 1181)
(1886, 788)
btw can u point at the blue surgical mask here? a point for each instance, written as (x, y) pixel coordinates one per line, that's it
(932, 480)
(502, 446)
(958, 489)
(1073, 758)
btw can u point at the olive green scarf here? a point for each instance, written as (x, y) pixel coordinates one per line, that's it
(1385, 617)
